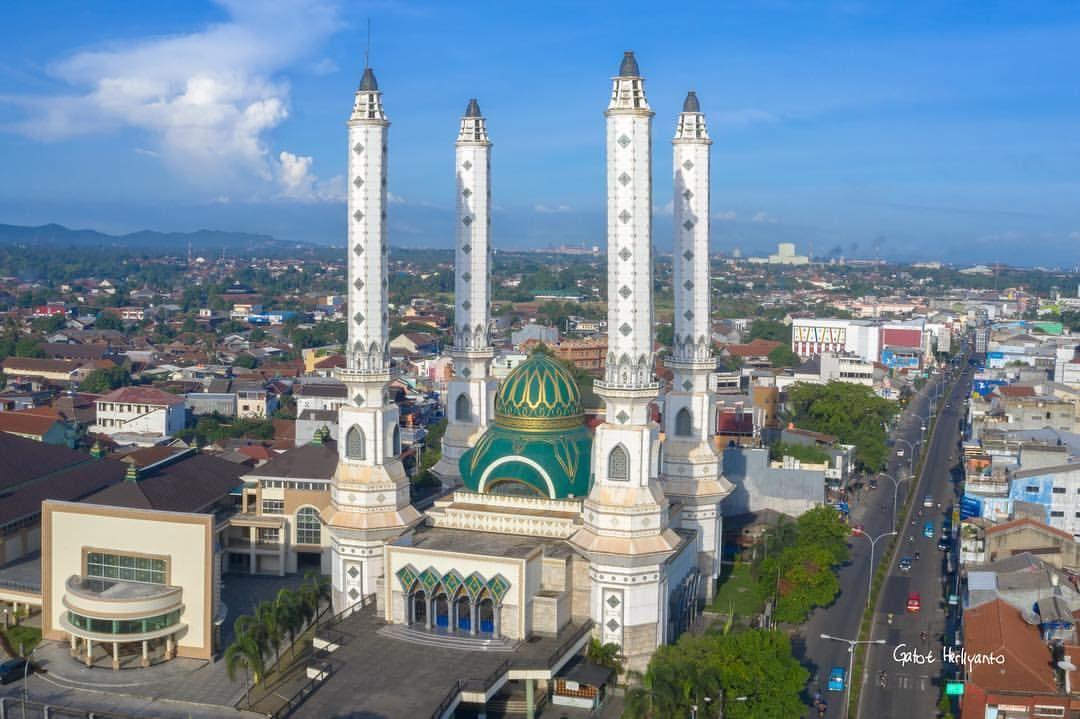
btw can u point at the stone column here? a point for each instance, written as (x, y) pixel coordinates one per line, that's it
(89, 652)
(116, 656)
(530, 700)
(472, 618)
(169, 647)
(496, 621)
(145, 654)
(429, 605)
(74, 651)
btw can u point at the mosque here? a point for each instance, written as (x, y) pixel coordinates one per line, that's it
(549, 522)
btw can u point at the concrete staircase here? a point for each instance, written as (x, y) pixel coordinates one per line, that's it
(461, 642)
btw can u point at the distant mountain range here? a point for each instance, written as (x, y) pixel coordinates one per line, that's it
(202, 242)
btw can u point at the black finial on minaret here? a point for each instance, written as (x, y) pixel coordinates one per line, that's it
(629, 67)
(473, 110)
(691, 104)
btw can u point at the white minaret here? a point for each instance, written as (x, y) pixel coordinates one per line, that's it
(626, 535)
(369, 496)
(470, 397)
(691, 468)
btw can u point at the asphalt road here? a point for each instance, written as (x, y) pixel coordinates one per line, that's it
(873, 509)
(913, 690)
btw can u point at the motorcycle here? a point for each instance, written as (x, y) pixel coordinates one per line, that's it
(882, 680)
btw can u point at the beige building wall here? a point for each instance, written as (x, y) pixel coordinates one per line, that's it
(70, 530)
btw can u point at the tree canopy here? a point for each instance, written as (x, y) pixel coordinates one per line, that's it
(748, 675)
(800, 561)
(105, 380)
(763, 329)
(850, 412)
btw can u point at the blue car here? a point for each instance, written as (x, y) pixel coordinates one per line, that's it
(928, 530)
(836, 679)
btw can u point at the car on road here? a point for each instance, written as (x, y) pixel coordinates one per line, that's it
(899, 453)
(914, 602)
(836, 679)
(13, 670)
(943, 544)
(928, 501)
(928, 530)
(905, 564)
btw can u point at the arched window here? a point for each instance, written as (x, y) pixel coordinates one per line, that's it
(355, 444)
(618, 464)
(684, 424)
(308, 526)
(463, 408)
(396, 441)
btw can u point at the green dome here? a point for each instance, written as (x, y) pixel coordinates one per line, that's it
(539, 444)
(538, 395)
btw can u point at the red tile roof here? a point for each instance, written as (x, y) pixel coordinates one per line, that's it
(29, 423)
(142, 395)
(1027, 521)
(756, 348)
(1027, 657)
(1008, 390)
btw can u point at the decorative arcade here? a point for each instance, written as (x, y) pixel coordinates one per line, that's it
(450, 603)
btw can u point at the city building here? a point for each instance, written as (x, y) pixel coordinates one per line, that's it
(139, 410)
(785, 255)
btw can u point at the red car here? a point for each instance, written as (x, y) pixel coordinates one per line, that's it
(914, 602)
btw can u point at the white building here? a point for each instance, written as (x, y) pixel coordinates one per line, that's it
(815, 336)
(785, 255)
(139, 410)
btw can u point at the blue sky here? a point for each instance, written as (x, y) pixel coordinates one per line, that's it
(931, 129)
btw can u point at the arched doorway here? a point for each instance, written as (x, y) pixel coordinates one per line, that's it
(419, 606)
(441, 611)
(485, 616)
(463, 613)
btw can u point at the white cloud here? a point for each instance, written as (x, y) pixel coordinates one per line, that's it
(665, 210)
(207, 99)
(552, 209)
(727, 215)
(763, 216)
(393, 199)
(147, 153)
(298, 183)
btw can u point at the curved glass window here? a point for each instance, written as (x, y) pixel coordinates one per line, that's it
(124, 626)
(131, 569)
(308, 526)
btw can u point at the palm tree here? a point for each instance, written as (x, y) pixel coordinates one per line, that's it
(289, 615)
(245, 652)
(249, 627)
(321, 585)
(267, 619)
(604, 655)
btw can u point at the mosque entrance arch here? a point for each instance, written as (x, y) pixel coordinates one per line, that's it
(441, 611)
(419, 608)
(485, 616)
(463, 613)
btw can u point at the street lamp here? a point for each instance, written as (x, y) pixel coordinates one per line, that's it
(26, 680)
(911, 452)
(851, 660)
(870, 570)
(896, 492)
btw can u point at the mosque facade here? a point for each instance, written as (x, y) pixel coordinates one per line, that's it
(548, 522)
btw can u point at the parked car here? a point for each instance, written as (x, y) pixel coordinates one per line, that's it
(13, 670)
(836, 679)
(905, 564)
(914, 602)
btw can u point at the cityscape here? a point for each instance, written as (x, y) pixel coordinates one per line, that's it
(308, 444)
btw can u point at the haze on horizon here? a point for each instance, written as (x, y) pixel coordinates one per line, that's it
(931, 130)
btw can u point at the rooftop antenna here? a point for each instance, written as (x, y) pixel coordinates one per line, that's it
(367, 50)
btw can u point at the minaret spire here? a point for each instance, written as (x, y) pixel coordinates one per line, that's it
(625, 534)
(470, 395)
(691, 467)
(369, 498)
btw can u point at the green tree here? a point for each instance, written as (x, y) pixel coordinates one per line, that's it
(764, 329)
(811, 454)
(749, 675)
(108, 321)
(244, 652)
(783, 356)
(665, 335)
(604, 655)
(246, 361)
(850, 412)
(105, 380)
(28, 347)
